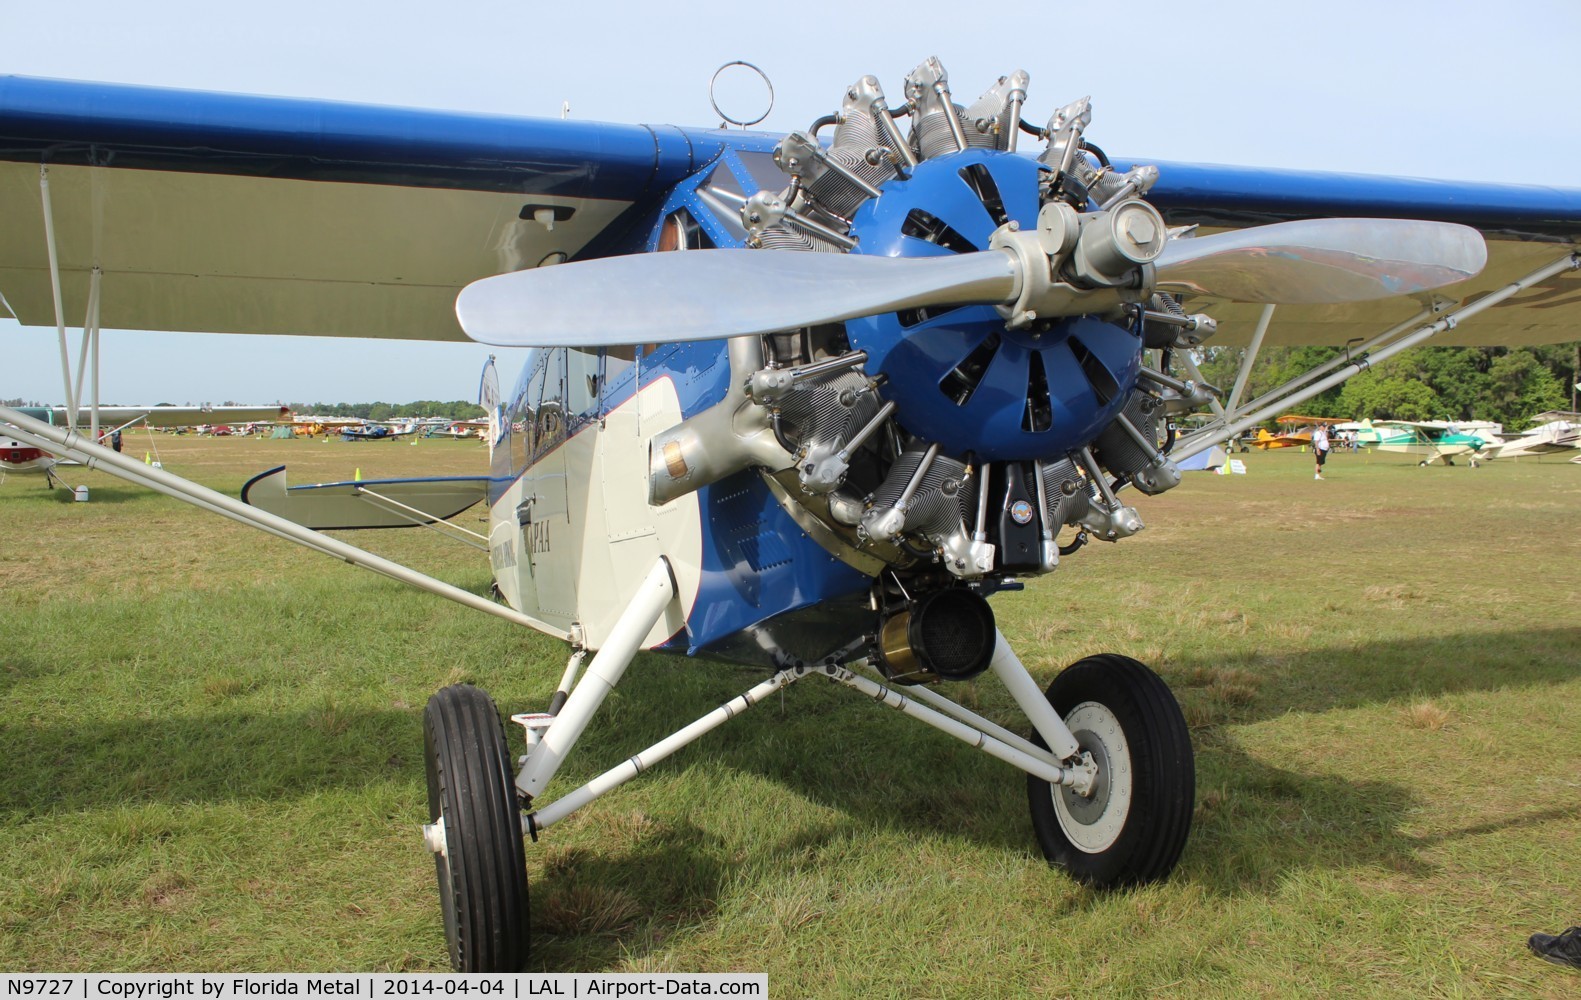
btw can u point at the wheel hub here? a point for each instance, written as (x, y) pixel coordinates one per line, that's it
(1094, 822)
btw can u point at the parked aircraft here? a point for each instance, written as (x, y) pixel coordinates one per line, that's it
(1554, 432)
(1431, 441)
(20, 457)
(476, 430)
(379, 431)
(868, 376)
(1297, 432)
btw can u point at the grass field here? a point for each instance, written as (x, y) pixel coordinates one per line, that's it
(212, 754)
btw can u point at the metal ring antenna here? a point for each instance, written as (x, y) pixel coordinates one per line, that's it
(712, 83)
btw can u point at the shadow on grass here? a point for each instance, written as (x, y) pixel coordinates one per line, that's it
(100, 494)
(1342, 677)
(591, 910)
(219, 757)
(878, 772)
(1255, 823)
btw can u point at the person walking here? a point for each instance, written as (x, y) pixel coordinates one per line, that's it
(1320, 447)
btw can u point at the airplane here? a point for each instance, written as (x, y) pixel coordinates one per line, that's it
(1439, 441)
(379, 431)
(1299, 434)
(804, 402)
(462, 430)
(313, 426)
(20, 457)
(1553, 432)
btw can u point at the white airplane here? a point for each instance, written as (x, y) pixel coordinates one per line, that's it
(20, 457)
(869, 375)
(1553, 433)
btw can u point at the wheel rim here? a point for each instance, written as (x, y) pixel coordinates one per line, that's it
(447, 905)
(1092, 823)
(436, 812)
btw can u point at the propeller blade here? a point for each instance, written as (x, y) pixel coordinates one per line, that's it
(711, 294)
(1322, 260)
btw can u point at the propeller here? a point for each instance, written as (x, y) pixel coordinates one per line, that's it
(1321, 261)
(713, 294)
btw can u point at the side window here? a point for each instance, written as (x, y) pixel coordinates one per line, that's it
(617, 362)
(582, 381)
(520, 418)
(551, 402)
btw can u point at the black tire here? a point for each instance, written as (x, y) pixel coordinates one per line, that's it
(1110, 840)
(483, 872)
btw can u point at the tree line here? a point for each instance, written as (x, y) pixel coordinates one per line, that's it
(457, 409)
(1509, 385)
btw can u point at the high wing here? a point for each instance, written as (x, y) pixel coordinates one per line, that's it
(221, 213)
(1308, 421)
(1526, 226)
(374, 503)
(226, 213)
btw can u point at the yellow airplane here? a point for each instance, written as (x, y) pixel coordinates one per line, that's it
(1300, 434)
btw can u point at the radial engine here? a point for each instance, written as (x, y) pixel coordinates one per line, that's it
(947, 449)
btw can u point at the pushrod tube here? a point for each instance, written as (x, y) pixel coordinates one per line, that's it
(1250, 359)
(54, 284)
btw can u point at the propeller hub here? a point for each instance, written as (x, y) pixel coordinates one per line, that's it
(961, 375)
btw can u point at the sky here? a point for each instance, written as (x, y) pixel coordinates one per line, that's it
(1452, 89)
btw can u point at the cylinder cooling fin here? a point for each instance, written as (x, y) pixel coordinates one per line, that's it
(961, 377)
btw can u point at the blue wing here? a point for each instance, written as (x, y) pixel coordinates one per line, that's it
(237, 214)
(1525, 227)
(216, 212)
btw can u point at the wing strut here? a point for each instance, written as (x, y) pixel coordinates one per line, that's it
(1251, 356)
(90, 326)
(72, 444)
(1245, 417)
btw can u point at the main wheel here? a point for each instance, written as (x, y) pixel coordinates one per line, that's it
(1133, 826)
(482, 871)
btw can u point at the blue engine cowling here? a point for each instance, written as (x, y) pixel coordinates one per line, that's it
(958, 376)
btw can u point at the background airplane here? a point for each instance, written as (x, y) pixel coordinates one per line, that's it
(829, 491)
(379, 431)
(1554, 432)
(1431, 441)
(1295, 432)
(19, 457)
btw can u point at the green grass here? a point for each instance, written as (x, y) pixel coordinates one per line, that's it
(212, 754)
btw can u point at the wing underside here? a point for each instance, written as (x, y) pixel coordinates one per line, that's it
(220, 213)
